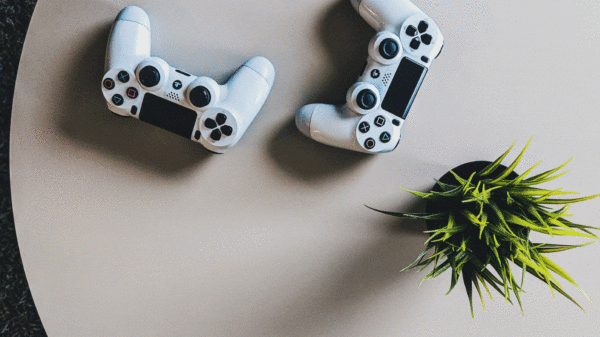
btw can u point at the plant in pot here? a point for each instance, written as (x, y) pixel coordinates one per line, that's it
(479, 217)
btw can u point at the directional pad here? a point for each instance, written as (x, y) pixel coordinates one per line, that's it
(221, 119)
(419, 35)
(426, 39)
(217, 127)
(210, 123)
(215, 135)
(227, 130)
(415, 43)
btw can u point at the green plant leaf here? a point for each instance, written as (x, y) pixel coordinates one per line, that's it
(493, 166)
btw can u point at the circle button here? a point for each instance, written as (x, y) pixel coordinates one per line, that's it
(370, 143)
(109, 84)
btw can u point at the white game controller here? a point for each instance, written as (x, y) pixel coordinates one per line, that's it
(377, 105)
(198, 108)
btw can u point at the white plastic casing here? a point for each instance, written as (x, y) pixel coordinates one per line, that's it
(402, 22)
(239, 100)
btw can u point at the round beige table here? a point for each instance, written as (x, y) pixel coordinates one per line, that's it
(128, 230)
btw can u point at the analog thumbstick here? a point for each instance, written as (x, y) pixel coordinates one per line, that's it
(149, 76)
(366, 99)
(200, 97)
(389, 48)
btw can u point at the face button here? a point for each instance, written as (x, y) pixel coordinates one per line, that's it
(385, 137)
(423, 27)
(389, 48)
(426, 38)
(109, 84)
(380, 121)
(197, 135)
(396, 122)
(366, 99)
(149, 76)
(177, 85)
(415, 43)
(364, 127)
(227, 130)
(221, 118)
(123, 76)
(375, 73)
(134, 110)
(210, 123)
(370, 143)
(132, 93)
(215, 135)
(200, 97)
(411, 31)
(117, 100)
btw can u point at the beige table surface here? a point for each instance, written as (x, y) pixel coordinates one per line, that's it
(128, 230)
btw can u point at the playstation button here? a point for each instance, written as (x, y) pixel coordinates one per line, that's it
(385, 137)
(215, 135)
(109, 84)
(210, 123)
(227, 130)
(370, 143)
(117, 100)
(177, 85)
(221, 118)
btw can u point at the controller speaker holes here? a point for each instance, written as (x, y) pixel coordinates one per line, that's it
(386, 79)
(173, 96)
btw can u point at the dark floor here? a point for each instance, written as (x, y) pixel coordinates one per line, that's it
(18, 316)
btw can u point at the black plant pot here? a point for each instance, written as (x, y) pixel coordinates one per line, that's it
(464, 171)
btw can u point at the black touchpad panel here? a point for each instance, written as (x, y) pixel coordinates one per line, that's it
(168, 115)
(404, 88)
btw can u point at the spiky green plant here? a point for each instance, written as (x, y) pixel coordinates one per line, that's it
(484, 224)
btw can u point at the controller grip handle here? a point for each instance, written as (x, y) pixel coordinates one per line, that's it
(247, 90)
(385, 14)
(129, 40)
(329, 124)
